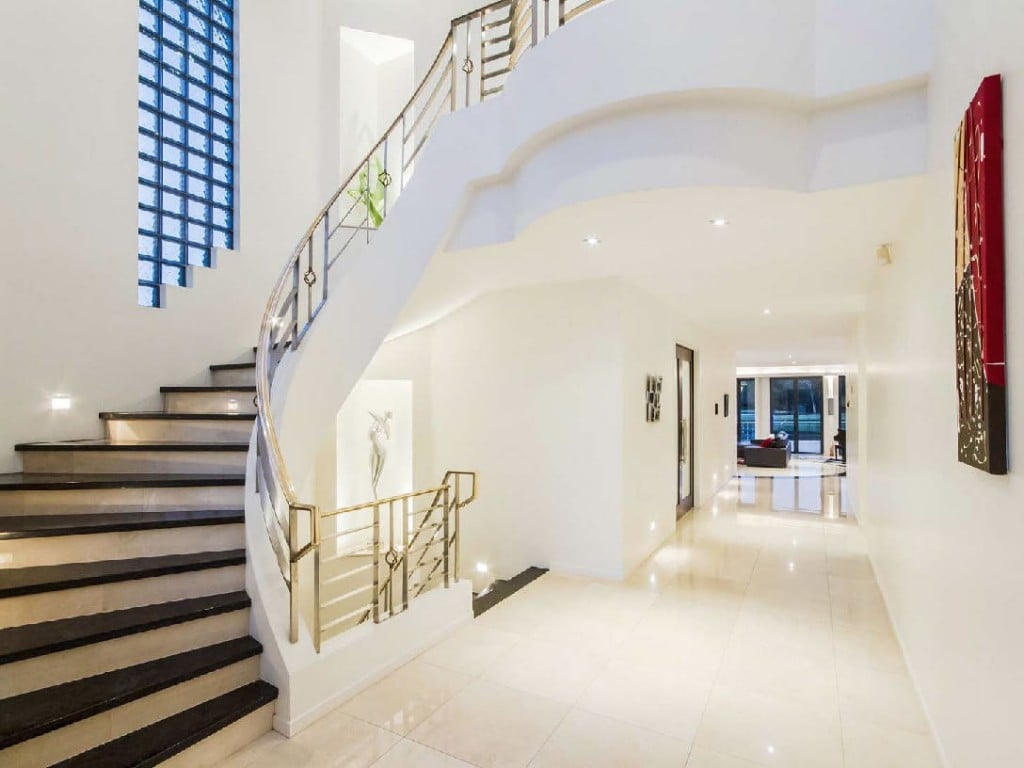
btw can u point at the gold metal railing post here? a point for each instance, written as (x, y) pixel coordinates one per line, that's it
(376, 563)
(458, 521)
(405, 553)
(315, 540)
(447, 509)
(293, 537)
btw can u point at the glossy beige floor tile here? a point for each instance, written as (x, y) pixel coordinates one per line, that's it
(559, 672)
(705, 758)
(883, 698)
(754, 636)
(584, 739)
(410, 754)
(492, 726)
(770, 730)
(657, 700)
(472, 649)
(868, 745)
(337, 740)
(405, 698)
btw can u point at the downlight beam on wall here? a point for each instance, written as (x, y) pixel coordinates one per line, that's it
(592, 241)
(60, 402)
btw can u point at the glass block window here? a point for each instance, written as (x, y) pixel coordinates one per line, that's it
(186, 138)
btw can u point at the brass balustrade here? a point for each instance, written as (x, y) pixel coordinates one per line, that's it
(480, 51)
(385, 553)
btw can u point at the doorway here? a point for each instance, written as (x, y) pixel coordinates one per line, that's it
(797, 410)
(684, 440)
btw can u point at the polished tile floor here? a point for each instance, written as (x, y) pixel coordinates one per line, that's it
(756, 636)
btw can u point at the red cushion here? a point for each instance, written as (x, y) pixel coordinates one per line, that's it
(767, 442)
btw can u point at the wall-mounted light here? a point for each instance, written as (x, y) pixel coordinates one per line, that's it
(653, 526)
(60, 403)
(767, 310)
(232, 405)
(482, 568)
(592, 240)
(719, 221)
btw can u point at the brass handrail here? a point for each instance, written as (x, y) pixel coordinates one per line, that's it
(496, 36)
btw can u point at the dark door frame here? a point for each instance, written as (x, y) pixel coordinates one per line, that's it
(685, 504)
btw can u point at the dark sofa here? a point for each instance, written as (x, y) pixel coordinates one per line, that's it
(777, 458)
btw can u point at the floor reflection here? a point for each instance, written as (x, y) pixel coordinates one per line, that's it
(826, 497)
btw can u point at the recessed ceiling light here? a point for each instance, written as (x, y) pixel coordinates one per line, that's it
(719, 221)
(592, 240)
(767, 310)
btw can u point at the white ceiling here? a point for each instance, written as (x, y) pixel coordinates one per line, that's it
(808, 257)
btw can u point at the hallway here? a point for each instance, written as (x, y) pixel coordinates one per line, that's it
(752, 637)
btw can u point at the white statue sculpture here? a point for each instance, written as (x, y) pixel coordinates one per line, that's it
(380, 433)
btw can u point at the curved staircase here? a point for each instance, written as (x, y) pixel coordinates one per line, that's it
(124, 621)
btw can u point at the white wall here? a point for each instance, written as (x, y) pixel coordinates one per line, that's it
(527, 390)
(541, 390)
(375, 81)
(946, 539)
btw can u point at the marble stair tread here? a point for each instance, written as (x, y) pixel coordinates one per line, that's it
(39, 526)
(32, 640)
(160, 741)
(103, 444)
(165, 416)
(29, 715)
(63, 481)
(51, 578)
(225, 388)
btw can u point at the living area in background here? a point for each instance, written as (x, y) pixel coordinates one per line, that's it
(784, 414)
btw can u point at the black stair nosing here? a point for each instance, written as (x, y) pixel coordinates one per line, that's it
(156, 743)
(34, 580)
(31, 640)
(33, 714)
(61, 481)
(43, 526)
(165, 416)
(225, 388)
(111, 446)
(503, 589)
(233, 366)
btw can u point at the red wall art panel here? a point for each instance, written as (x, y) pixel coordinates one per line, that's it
(980, 282)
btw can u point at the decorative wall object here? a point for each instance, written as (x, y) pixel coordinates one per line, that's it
(725, 405)
(380, 433)
(980, 282)
(653, 398)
